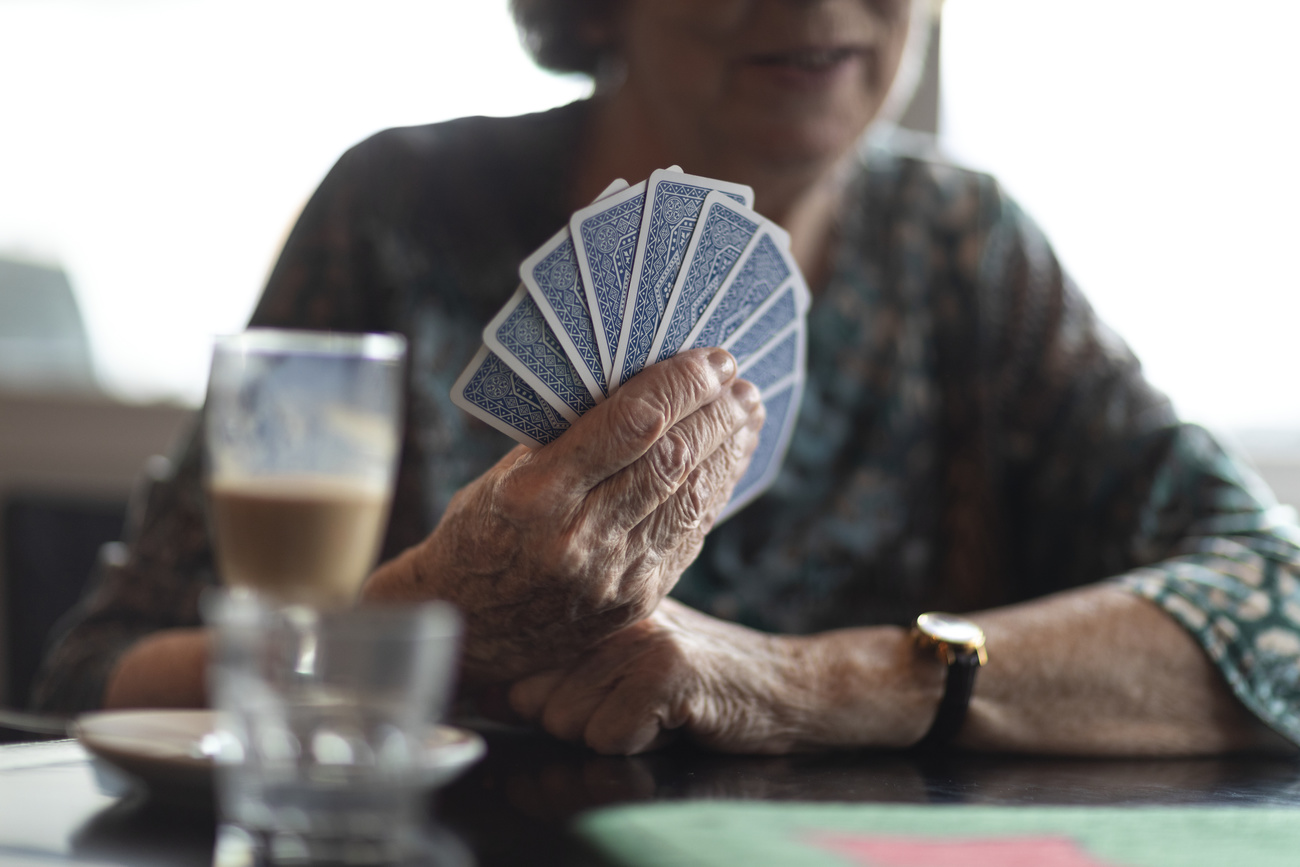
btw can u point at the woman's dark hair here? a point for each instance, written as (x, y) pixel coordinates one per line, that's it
(561, 35)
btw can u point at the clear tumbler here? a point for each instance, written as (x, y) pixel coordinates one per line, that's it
(323, 717)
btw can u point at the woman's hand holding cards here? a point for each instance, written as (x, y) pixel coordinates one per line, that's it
(676, 262)
(604, 357)
(555, 549)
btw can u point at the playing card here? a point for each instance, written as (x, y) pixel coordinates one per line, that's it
(492, 392)
(760, 272)
(783, 358)
(520, 337)
(552, 278)
(781, 308)
(782, 405)
(721, 235)
(778, 373)
(604, 242)
(672, 207)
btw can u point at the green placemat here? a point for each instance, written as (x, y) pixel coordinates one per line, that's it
(755, 834)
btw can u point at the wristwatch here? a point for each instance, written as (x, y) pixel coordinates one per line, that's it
(959, 644)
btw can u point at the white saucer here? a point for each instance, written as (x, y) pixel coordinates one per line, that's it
(165, 749)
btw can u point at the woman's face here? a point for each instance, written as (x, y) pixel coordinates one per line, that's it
(775, 81)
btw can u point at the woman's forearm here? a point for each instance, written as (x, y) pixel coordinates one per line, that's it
(1093, 671)
(1100, 671)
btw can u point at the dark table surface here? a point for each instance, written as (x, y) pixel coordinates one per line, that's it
(515, 806)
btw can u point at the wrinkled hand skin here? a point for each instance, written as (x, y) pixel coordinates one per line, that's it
(557, 548)
(723, 684)
(734, 689)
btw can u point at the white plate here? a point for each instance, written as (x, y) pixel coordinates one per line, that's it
(165, 748)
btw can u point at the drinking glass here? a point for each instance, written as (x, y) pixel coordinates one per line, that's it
(303, 432)
(322, 718)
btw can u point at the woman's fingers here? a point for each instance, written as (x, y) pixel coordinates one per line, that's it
(572, 699)
(618, 729)
(613, 697)
(669, 470)
(528, 697)
(683, 519)
(627, 457)
(618, 432)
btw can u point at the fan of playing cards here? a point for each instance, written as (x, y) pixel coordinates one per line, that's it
(673, 263)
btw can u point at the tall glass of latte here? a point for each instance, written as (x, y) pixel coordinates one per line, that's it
(303, 431)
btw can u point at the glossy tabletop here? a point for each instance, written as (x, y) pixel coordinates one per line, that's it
(515, 806)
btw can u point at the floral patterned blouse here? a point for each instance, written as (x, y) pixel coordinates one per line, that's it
(971, 435)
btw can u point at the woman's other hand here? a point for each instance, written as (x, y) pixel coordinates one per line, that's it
(556, 548)
(735, 689)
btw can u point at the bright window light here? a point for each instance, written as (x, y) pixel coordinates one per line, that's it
(1157, 143)
(160, 149)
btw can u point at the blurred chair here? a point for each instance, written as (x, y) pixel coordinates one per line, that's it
(43, 345)
(51, 545)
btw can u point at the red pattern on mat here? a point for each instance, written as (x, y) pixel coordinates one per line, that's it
(881, 851)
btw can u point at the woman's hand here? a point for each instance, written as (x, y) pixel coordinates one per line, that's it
(167, 668)
(735, 689)
(554, 549)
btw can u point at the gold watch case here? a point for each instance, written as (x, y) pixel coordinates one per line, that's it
(948, 635)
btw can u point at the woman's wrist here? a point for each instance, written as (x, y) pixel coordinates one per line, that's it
(865, 687)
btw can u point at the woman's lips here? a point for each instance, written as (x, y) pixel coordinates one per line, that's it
(809, 59)
(809, 67)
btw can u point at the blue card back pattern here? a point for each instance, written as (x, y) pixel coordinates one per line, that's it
(520, 336)
(492, 392)
(775, 314)
(722, 235)
(762, 272)
(605, 240)
(673, 204)
(776, 363)
(782, 410)
(552, 278)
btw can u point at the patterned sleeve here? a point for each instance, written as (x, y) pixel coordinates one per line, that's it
(1234, 579)
(1103, 482)
(156, 581)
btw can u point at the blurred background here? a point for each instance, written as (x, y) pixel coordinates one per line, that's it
(153, 154)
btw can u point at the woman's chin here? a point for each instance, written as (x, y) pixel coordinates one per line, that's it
(800, 147)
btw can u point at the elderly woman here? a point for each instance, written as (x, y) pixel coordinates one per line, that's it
(971, 439)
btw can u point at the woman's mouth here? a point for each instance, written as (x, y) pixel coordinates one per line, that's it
(810, 68)
(808, 59)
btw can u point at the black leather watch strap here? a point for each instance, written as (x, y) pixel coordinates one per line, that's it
(957, 690)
